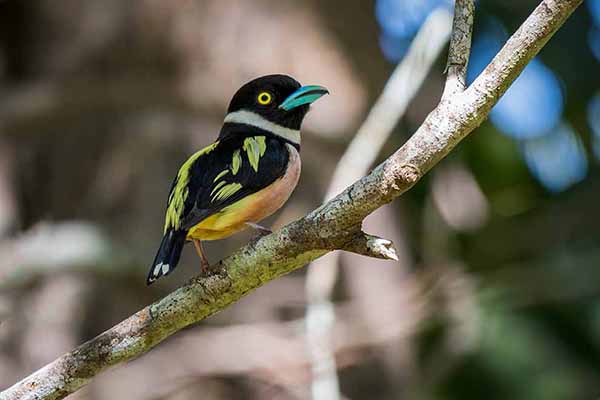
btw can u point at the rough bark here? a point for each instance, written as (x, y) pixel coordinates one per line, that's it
(334, 225)
(460, 47)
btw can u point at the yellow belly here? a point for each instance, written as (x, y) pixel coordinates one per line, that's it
(252, 208)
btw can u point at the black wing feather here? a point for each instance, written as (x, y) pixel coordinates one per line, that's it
(272, 165)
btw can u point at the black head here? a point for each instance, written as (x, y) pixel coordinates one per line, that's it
(277, 98)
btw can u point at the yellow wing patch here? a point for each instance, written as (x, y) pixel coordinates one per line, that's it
(262, 144)
(180, 192)
(221, 174)
(255, 148)
(236, 162)
(217, 186)
(226, 191)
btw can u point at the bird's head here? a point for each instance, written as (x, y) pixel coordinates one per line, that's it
(273, 101)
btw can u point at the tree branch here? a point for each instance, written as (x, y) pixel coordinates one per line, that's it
(330, 226)
(371, 246)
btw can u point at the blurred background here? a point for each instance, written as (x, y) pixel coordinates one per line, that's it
(496, 294)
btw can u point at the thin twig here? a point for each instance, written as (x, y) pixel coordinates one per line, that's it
(329, 227)
(460, 47)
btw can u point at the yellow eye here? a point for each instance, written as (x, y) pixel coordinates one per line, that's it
(264, 98)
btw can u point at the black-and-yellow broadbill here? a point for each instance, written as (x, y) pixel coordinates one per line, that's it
(246, 175)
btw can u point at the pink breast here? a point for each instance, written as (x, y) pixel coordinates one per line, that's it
(271, 198)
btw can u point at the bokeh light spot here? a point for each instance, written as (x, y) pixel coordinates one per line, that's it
(558, 159)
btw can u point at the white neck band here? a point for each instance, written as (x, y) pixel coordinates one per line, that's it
(258, 121)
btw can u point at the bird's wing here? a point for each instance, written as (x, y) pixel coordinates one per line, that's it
(221, 175)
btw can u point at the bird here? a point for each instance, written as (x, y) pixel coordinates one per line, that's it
(244, 176)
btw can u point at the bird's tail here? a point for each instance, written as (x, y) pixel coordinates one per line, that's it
(167, 256)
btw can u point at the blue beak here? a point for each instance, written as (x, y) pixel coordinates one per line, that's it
(304, 95)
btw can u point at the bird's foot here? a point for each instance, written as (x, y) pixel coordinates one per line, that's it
(204, 264)
(204, 267)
